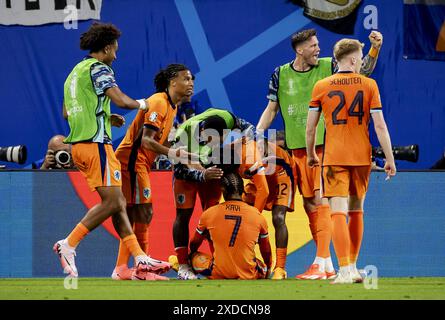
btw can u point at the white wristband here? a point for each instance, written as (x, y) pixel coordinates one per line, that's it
(142, 105)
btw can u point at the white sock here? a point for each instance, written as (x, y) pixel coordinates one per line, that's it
(353, 267)
(140, 258)
(184, 267)
(320, 262)
(66, 244)
(344, 270)
(329, 267)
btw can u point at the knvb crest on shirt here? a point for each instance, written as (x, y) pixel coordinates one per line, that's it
(147, 193)
(117, 175)
(181, 198)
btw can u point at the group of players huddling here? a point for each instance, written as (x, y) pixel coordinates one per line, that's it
(216, 154)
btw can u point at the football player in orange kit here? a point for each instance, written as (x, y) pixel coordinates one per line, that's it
(348, 101)
(143, 142)
(290, 89)
(272, 171)
(235, 228)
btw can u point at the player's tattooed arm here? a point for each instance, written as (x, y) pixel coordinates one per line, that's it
(368, 65)
(370, 61)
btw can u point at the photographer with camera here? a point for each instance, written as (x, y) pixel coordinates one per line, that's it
(58, 155)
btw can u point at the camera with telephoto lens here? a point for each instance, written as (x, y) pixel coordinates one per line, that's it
(408, 153)
(13, 154)
(62, 157)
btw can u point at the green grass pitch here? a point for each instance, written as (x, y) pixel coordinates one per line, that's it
(291, 289)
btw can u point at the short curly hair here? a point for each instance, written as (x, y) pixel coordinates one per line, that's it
(98, 36)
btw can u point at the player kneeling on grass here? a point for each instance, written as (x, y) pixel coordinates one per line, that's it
(235, 228)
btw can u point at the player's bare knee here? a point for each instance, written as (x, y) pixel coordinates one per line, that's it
(279, 219)
(183, 215)
(116, 205)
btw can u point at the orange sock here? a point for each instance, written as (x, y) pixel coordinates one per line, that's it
(141, 232)
(133, 246)
(340, 238)
(281, 258)
(183, 255)
(313, 216)
(356, 228)
(324, 230)
(78, 233)
(123, 255)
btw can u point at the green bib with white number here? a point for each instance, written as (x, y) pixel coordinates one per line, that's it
(88, 113)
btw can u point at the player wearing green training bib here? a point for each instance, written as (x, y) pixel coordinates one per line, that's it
(188, 182)
(290, 90)
(88, 90)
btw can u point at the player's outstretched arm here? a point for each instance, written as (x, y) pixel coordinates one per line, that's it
(123, 101)
(196, 242)
(117, 120)
(266, 251)
(311, 129)
(268, 115)
(385, 141)
(175, 154)
(149, 143)
(262, 190)
(370, 61)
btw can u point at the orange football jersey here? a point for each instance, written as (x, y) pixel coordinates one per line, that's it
(159, 116)
(265, 176)
(234, 228)
(347, 100)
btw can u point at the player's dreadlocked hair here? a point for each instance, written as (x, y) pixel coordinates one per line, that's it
(163, 77)
(98, 36)
(232, 184)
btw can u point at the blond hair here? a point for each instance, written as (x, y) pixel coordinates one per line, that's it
(346, 46)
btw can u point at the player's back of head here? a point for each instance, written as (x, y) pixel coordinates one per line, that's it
(345, 47)
(232, 185)
(214, 122)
